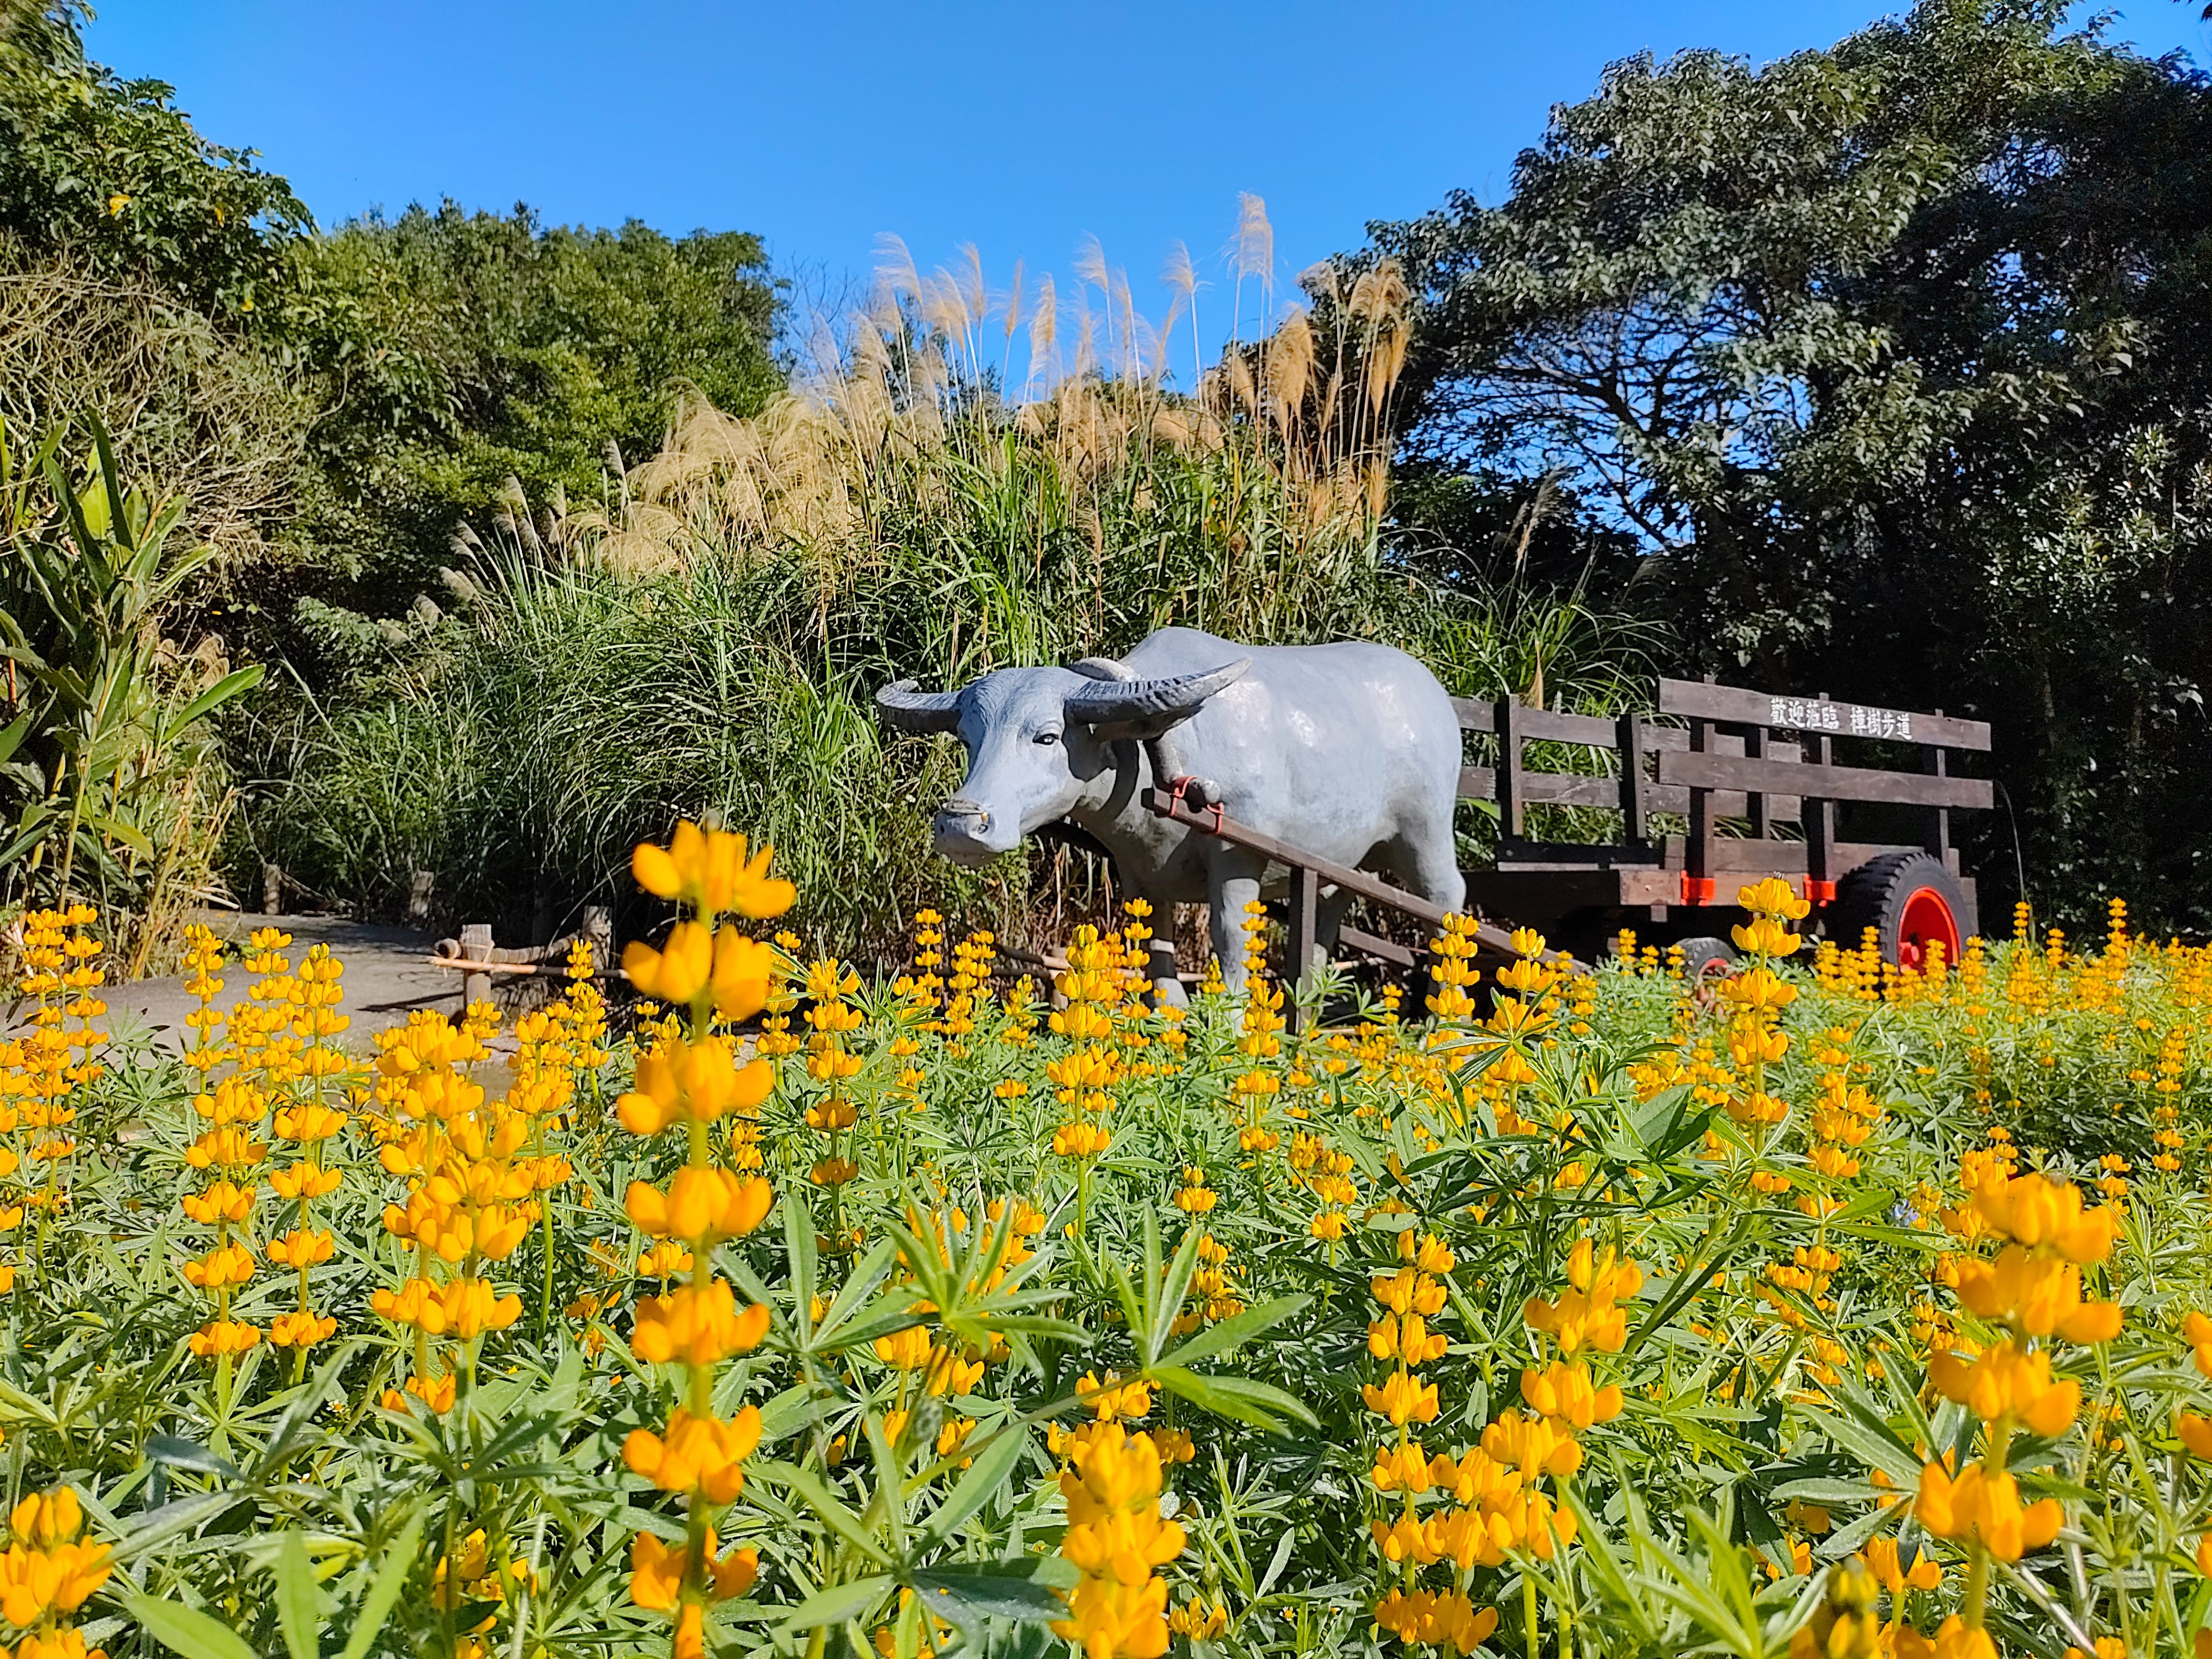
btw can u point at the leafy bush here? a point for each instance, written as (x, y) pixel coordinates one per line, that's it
(108, 170)
(465, 355)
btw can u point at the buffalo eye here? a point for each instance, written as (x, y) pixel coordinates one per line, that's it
(1047, 737)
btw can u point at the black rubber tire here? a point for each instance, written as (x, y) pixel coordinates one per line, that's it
(1705, 957)
(1877, 893)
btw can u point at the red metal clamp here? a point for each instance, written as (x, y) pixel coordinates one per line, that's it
(1697, 889)
(1176, 789)
(1820, 892)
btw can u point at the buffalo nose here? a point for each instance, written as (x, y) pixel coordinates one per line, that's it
(963, 816)
(964, 831)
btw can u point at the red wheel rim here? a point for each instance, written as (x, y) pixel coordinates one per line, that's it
(1927, 920)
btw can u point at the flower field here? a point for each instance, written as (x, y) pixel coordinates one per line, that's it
(1819, 1310)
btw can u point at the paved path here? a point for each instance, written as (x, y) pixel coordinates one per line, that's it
(387, 976)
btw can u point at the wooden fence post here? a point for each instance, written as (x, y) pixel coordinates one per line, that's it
(475, 946)
(1818, 818)
(1936, 764)
(598, 932)
(1630, 738)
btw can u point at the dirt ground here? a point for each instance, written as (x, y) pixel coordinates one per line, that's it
(387, 976)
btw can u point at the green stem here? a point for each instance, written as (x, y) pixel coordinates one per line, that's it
(545, 1219)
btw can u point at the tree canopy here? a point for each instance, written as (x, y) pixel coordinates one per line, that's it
(110, 172)
(1895, 357)
(425, 359)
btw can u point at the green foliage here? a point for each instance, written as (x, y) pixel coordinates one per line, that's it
(331, 407)
(1772, 1415)
(1895, 352)
(600, 677)
(112, 172)
(465, 353)
(108, 777)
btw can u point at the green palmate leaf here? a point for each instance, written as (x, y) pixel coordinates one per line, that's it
(785, 1414)
(183, 1515)
(1610, 1573)
(1174, 1289)
(180, 1453)
(188, 1631)
(978, 1486)
(833, 1511)
(1237, 1328)
(964, 1595)
(882, 1317)
(799, 1248)
(1859, 1428)
(1688, 1284)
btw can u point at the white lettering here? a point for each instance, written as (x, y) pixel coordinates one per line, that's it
(1777, 712)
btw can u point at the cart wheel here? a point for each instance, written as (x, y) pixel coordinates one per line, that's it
(1706, 959)
(1912, 901)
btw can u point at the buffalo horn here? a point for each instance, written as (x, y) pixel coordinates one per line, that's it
(1137, 708)
(913, 710)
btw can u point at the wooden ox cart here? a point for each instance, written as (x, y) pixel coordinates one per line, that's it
(1737, 767)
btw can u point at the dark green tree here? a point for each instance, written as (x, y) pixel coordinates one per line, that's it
(1896, 357)
(465, 354)
(112, 172)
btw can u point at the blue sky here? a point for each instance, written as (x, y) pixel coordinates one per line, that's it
(1021, 128)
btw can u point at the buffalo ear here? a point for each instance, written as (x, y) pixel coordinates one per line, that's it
(913, 710)
(1102, 668)
(1148, 707)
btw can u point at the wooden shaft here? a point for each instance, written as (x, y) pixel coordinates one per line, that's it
(1336, 875)
(472, 967)
(1698, 855)
(1754, 748)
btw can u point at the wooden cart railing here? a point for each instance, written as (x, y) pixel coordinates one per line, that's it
(1724, 753)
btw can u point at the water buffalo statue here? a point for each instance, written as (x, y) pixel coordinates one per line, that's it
(1350, 752)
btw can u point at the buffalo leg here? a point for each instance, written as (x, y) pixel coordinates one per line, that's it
(1429, 863)
(1167, 989)
(1335, 903)
(1232, 881)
